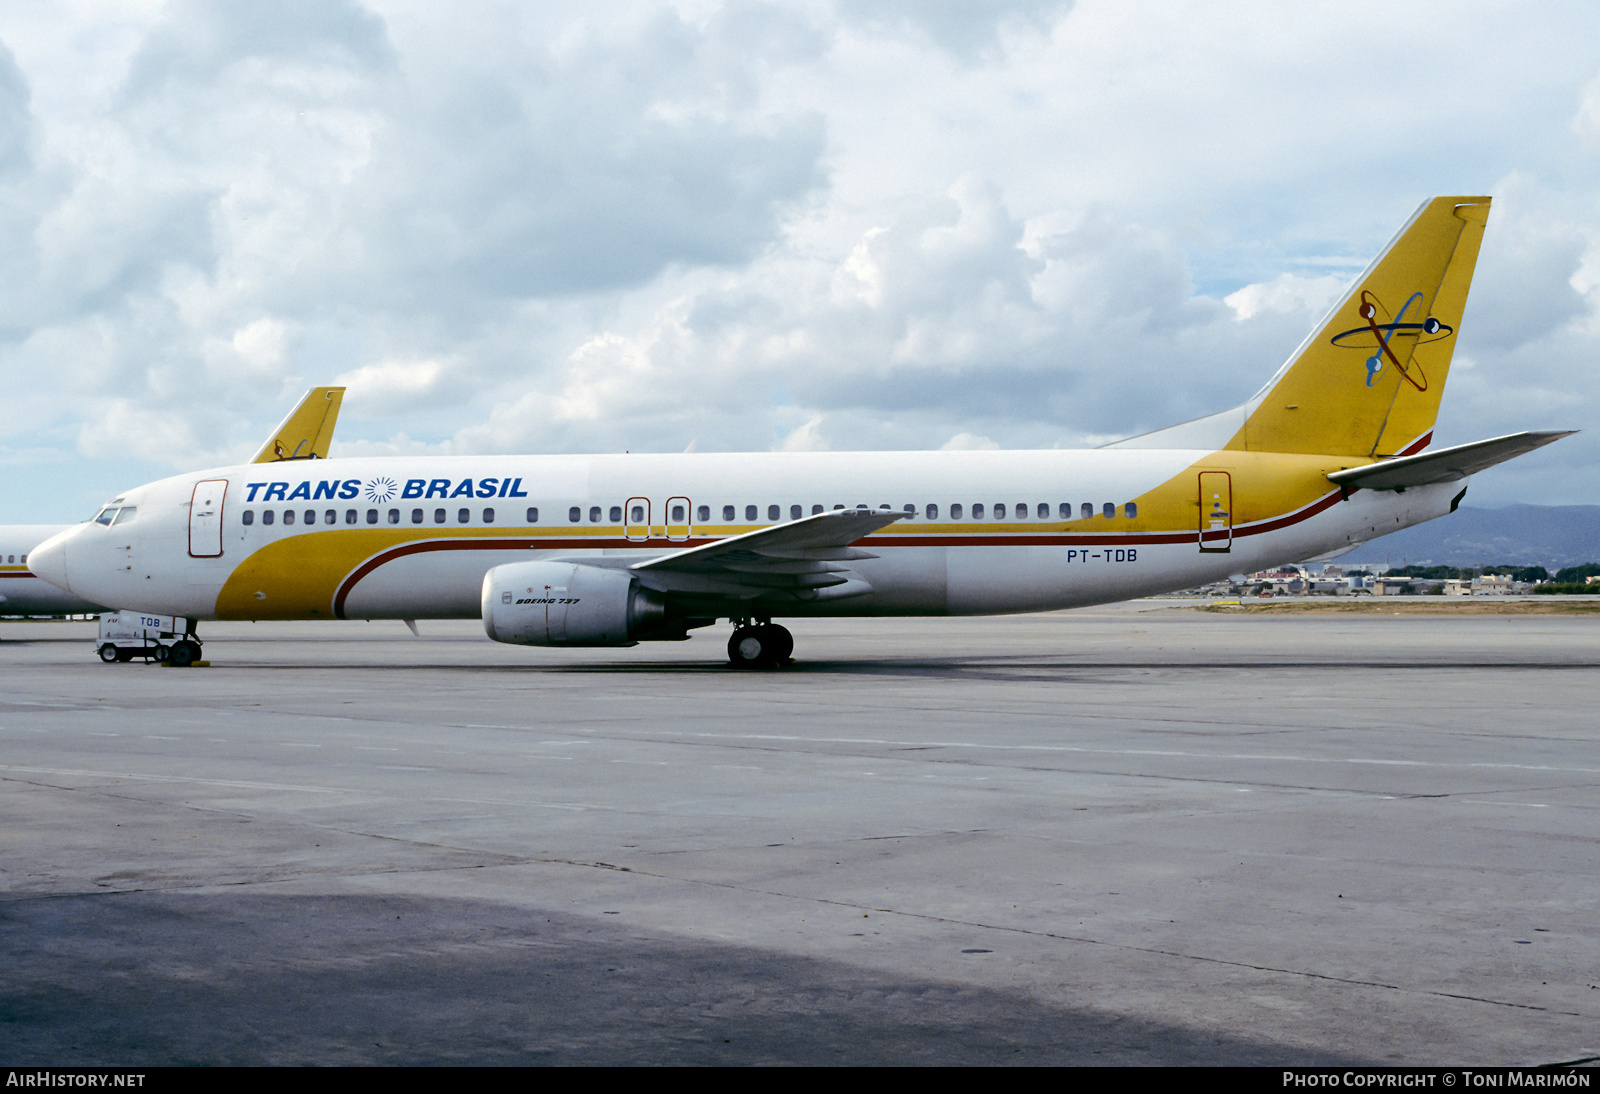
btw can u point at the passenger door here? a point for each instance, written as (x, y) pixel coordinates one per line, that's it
(1216, 511)
(678, 516)
(637, 526)
(205, 518)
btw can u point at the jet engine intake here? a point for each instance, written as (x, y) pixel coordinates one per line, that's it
(568, 604)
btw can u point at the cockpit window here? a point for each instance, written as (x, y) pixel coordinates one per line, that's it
(125, 514)
(106, 515)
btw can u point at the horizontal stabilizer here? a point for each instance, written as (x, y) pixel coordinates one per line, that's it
(1445, 465)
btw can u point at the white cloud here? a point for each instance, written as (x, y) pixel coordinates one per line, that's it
(805, 438)
(393, 385)
(967, 442)
(556, 227)
(1304, 297)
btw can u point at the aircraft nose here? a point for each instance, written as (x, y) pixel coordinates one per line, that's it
(49, 560)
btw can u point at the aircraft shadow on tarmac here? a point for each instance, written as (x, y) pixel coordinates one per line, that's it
(148, 978)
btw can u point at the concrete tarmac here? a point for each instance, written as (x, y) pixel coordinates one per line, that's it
(1129, 835)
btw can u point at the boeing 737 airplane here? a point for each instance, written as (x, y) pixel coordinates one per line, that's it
(616, 550)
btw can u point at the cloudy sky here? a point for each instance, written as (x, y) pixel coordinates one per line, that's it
(579, 227)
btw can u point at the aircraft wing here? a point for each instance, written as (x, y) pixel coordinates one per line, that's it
(308, 430)
(1445, 465)
(803, 558)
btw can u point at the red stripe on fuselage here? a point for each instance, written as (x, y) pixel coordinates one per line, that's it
(1005, 539)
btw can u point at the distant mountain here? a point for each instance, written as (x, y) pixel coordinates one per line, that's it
(1529, 535)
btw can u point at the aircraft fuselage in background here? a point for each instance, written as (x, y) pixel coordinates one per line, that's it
(21, 591)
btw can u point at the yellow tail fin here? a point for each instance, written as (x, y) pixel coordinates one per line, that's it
(1368, 381)
(308, 430)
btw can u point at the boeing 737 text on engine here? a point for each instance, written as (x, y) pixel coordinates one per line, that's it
(616, 550)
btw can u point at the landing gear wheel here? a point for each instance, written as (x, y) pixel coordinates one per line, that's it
(108, 654)
(183, 654)
(782, 643)
(751, 648)
(760, 647)
(162, 653)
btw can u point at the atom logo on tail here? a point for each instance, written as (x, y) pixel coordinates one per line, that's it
(1383, 334)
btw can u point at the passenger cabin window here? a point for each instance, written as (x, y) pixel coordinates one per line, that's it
(288, 516)
(703, 513)
(330, 517)
(438, 516)
(394, 516)
(594, 514)
(416, 516)
(636, 514)
(488, 516)
(999, 510)
(931, 512)
(1044, 510)
(749, 512)
(349, 516)
(616, 514)
(1087, 511)
(727, 512)
(977, 511)
(955, 511)
(1109, 509)
(574, 514)
(795, 512)
(815, 509)
(463, 516)
(838, 507)
(1130, 510)
(266, 516)
(372, 516)
(773, 512)
(311, 516)
(249, 516)
(533, 515)
(1066, 510)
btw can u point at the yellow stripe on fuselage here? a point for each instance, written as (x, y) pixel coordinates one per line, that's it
(299, 576)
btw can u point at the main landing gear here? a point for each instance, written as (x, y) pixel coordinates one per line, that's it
(759, 645)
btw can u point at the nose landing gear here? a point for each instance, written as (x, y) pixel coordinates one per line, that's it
(759, 645)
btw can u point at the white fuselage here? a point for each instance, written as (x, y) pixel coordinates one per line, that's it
(412, 538)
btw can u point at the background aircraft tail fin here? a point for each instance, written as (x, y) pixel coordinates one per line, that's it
(308, 430)
(1367, 381)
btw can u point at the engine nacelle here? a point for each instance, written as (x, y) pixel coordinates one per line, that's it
(567, 604)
